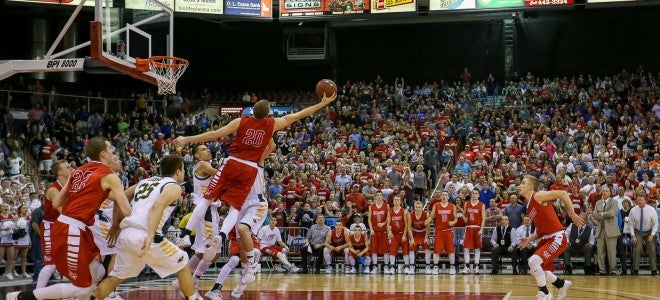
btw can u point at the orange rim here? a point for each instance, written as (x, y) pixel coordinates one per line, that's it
(175, 62)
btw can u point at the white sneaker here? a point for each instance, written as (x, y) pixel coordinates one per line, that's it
(213, 295)
(386, 270)
(351, 271)
(543, 296)
(392, 271)
(436, 270)
(26, 275)
(476, 271)
(212, 247)
(247, 275)
(328, 270)
(366, 270)
(278, 268)
(183, 242)
(452, 270)
(374, 270)
(9, 276)
(238, 291)
(563, 291)
(12, 296)
(293, 269)
(428, 270)
(465, 271)
(257, 270)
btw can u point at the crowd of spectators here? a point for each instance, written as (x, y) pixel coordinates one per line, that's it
(581, 134)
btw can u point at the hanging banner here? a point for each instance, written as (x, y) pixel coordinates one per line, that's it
(451, 4)
(390, 6)
(260, 8)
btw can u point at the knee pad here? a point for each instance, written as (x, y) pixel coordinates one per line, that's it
(534, 262)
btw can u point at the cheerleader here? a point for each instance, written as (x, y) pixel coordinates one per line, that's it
(6, 242)
(22, 238)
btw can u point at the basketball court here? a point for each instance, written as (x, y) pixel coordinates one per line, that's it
(391, 287)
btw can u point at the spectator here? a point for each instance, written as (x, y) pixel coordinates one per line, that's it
(607, 231)
(644, 221)
(315, 244)
(581, 240)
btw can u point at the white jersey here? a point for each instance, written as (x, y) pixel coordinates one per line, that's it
(200, 184)
(269, 237)
(147, 192)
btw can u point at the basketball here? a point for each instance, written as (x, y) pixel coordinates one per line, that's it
(325, 85)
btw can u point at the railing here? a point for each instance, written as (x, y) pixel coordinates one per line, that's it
(20, 102)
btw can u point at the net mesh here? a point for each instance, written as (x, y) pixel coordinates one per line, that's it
(169, 69)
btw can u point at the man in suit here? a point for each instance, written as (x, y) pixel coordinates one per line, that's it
(525, 230)
(580, 240)
(607, 230)
(501, 241)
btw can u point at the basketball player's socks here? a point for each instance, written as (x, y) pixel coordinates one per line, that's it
(544, 289)
(559, 283)
(201, 268)
(216, 287)
(194, 262)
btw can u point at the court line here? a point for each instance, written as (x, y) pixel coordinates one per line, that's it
(507, 296)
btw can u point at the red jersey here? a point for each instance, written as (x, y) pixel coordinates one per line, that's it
(358, 244)
(443, 215)
(50, 213)
(85, 193)
(338, 238)
(417, 223)
(474, 213)
(378, 215)
(397, 220)
(544, 217)
(252, 138)
(323, 194)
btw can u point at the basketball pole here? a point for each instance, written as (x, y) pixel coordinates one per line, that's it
(65, 29)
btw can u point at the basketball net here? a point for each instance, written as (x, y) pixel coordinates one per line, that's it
(168, 70)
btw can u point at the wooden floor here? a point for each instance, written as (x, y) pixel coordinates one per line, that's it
(382, 287)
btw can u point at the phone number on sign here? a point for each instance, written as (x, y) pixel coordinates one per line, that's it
(547, 2)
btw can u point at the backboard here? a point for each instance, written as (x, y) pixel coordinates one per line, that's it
(121, 33)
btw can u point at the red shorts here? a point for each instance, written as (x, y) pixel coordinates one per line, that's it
(397, 243)
(232, 183)
(443, 241)
(339, 253)
(472, 238)
(418, 241)
(73, 251)
(234, 249)
(550, 248)
(46, 243)
(271, 250)
(378, 242)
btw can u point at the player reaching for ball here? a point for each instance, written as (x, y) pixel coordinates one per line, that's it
(239, 180)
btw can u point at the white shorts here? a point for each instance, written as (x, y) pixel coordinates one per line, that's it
(164, 258)
(208, 228)
(100, 232)
(254, 215)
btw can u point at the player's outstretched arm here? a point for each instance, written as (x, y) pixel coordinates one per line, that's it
(289, 119)
(226, 130)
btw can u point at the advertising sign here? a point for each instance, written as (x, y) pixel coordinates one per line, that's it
(62, 2)
(259, 8)
(148, 5)
(299, 8)
(520, 3)
(610, 1)
(390, 6)
(196, 6)
(276, 111)
(451, 4)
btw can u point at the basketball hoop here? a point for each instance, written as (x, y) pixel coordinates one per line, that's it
(167, 68)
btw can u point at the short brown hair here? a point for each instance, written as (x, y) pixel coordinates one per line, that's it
(57, 166)
(95, 146)
(170, 164)
(261, 109)
(534, 181)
